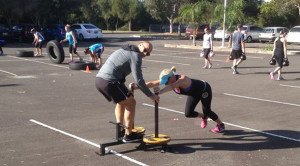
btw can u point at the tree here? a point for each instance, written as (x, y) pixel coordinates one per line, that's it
(105, 9)
(164, 9)
(234, 14)
(193, 14)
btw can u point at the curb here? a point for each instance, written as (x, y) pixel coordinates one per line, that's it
(226, 49)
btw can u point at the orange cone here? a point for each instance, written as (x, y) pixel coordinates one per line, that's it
(227, 59)
(87, 70)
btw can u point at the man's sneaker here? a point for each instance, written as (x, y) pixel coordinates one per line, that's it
(219, 128)
(280, 78)
(133, 137)
(272, 75)
(210, 66)
(204, 67)
(203, 122)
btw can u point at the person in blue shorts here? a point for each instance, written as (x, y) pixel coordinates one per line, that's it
(37, 41)
(95, 51)
(70, 36)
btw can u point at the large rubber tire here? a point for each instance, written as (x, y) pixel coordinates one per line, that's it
(55, 51)
(81, 65)
(23, 53)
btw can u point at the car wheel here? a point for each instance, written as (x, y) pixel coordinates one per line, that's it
(23, 53)
(249, 39)
(81, 65)
(55, 51)
(81, 38)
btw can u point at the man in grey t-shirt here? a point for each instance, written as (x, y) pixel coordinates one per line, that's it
(238, 48)
(111, 78)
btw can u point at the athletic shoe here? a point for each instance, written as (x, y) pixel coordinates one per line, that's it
(204, 67)
(210, 66)
(280, 78)
(272, 74)
(219, 128)
(203, 122)
(1, 54)
(133, 137)
(36, 54)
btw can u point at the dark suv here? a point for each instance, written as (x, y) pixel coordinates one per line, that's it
(5, 33)
(54, 32)
(22, 32)
(199, 31)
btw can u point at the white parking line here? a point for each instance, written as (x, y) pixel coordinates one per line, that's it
(40, 62)
(253, 98)
(291, 86)
(230, 124)
(88, 142)
(9, 73)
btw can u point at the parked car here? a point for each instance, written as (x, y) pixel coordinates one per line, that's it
(269, 34)
(219, 34)
(5, 33)
(294, 35)
(199, 31)
(251, 32)
(87, 31)
(54, 32)
(22, 32)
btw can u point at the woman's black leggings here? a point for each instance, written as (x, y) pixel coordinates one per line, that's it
(205, 98)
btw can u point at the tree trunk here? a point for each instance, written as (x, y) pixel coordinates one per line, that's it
(129, 25)
(106, 24)
(179, 29)
(171, 24)
(116, 26)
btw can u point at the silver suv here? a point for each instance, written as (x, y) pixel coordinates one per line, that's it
(269, 34)
(251, 32)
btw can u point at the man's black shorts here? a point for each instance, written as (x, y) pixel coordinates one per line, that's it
(236, 54)
(112, 91)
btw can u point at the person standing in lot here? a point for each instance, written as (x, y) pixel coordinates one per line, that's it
(279, 52)
(95, 51)
(70, 36)
(238, 48)
(37, 41)
(207, 47)
(195, 90)
(1, 45)
(110, 83)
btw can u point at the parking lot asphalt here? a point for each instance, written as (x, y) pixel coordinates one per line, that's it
(51, 115)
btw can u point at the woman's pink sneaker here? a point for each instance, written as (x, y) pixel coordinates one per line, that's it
(203, 122)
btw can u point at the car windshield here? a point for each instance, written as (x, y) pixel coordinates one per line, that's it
(268, 30)
(244, 28)
(88, 26)
(295, 29)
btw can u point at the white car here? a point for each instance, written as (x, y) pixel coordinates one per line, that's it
(219, 34)
(294, 35)
(87, 31)
(269, 34)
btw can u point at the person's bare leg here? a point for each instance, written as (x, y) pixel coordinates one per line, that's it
(130, 104)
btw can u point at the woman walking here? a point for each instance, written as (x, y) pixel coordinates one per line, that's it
(279, 53)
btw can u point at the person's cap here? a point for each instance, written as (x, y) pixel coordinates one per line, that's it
(240, 26)
(165, 75)
(33, 29)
